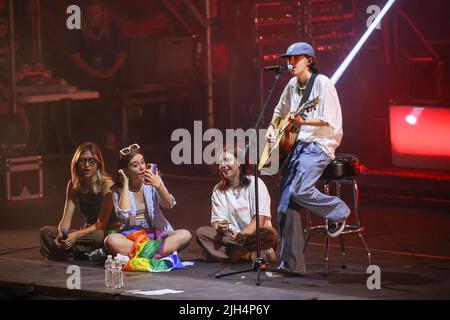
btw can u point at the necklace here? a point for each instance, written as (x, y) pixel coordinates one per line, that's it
(303, 88)
(236, 190)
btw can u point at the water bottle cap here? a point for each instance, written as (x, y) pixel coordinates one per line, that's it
(109, 256)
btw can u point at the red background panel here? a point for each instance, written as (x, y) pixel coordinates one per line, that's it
(430, 136)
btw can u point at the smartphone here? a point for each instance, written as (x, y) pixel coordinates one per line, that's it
(153, 167)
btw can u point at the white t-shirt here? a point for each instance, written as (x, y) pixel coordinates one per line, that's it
(329, 110)
(239, 207)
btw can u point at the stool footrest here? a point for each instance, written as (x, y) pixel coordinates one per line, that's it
(349, 229)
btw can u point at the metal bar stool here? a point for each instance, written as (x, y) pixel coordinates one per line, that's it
(340, 171)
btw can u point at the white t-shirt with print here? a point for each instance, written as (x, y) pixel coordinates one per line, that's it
(239, 207)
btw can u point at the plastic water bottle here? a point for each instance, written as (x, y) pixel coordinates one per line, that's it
(118, 274)
(109, 277)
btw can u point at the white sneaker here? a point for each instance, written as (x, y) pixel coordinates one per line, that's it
(123, 259)
(335, 228)
(97, 255)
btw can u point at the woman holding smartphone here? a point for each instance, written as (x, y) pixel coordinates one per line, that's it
(138, 197)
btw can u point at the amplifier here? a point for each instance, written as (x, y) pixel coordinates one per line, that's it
(24, 178)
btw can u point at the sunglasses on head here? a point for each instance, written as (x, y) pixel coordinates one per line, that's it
(127, 150)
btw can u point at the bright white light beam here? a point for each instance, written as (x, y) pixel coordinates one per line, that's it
(361, 42)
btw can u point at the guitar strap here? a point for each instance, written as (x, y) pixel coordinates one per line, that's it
(308, 90)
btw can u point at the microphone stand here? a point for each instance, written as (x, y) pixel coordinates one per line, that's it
(259, 263)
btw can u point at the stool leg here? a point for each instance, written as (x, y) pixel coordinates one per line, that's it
(307, 238)
(308, 219)
(366, 248)
(327, 253)
(338, 189)
(356, 201)
(326, 188)
(307, 229)
(341, 238)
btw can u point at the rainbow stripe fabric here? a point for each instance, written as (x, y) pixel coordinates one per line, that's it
(145, 255)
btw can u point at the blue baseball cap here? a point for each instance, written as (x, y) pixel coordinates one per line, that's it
(298, 49)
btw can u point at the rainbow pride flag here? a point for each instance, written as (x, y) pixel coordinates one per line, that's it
(145, 257)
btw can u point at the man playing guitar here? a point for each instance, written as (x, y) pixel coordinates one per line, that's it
(320, 133)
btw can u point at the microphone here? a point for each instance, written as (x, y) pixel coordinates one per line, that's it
(281, 68)
(65, 233)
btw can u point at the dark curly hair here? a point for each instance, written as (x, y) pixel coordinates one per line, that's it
(244, 168)
(313, 67)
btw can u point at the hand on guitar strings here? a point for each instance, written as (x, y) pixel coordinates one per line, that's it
(270, 135)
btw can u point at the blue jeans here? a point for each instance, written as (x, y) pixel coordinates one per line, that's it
(306, 165)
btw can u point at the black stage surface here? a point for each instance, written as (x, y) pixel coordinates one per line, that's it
(406, 215)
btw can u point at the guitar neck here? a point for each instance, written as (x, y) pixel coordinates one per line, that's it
(299, 112)
(307, 106)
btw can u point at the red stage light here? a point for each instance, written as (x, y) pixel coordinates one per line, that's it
(420, 135)
(412, 120)
(427, 135)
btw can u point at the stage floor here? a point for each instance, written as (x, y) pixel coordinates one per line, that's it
(402, 277)
(407, 231)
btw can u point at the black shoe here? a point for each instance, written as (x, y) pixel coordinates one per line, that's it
(335, 228)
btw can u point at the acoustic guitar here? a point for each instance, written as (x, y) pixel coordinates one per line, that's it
(285, 136)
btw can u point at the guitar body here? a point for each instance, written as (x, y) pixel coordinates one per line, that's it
(285, 136)
(287, 142)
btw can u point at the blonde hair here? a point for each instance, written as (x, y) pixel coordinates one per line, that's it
(100, 175)
(86, 28)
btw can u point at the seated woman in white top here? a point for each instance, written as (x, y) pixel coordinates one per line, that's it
(232, 234)
(137, 197)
